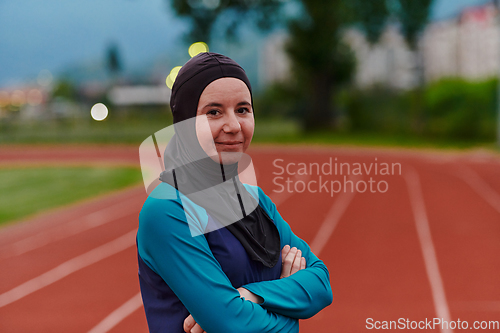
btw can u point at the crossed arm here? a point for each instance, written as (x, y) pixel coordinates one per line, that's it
(188, 266)
(292, 262)
(299, 296)
(302, 294)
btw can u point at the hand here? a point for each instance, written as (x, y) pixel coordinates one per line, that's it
(292, 261)
(191, 326)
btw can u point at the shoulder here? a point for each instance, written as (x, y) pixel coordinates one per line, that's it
(163, 201)
(166, 210)
(163, 194)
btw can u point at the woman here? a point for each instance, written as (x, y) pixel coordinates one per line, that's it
(214, 254)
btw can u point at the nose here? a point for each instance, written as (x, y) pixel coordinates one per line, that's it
(232, 124)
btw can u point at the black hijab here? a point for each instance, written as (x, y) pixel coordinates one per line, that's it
(215, 186)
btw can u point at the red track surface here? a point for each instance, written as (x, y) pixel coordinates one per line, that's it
(381, 264)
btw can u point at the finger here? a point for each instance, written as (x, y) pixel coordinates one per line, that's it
(302, 263)
(197, 329)
(284, 252)
(285, 249)
(296, 262)
(288, 262)
(189, 323)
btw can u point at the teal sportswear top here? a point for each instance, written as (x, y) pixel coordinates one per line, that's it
(180, 274)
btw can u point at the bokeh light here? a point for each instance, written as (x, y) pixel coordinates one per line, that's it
(169, 82)
(197, 48)
(171, 77)
(174, 72)
(18, 98)
(35, 97)
(99, 112)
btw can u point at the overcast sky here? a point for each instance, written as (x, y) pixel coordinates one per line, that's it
(54, 34)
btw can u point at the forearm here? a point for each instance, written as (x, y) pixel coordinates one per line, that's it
(300, 295)
(244, 316)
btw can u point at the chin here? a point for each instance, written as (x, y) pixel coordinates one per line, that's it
(227, 158)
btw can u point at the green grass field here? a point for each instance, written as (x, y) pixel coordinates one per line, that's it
(26, 191)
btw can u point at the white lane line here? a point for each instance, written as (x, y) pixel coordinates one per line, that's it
(68, 267)
(428, 251)
(330, 222)
(115, 317)
(480, 186)
(70, 228)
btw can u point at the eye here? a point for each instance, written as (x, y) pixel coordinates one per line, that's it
(213, 112)
(243, 110)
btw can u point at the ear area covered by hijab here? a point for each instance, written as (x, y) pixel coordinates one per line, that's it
(202, 182)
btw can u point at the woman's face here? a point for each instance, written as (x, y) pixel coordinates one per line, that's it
(225, 122)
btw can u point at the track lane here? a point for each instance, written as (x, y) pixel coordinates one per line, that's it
(34, 263)
(466, 232)
(376, 266)
(77, 302)
(369, 276)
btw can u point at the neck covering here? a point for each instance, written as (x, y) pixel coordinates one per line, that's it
(215, 186)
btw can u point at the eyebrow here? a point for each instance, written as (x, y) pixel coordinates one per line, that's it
(220, 105)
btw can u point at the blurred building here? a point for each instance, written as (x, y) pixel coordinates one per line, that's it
(467, 46)
(140, 95)
(274, 65)
(389, 62)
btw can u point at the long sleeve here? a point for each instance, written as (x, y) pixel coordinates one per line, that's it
(302, 294)
(189, 268)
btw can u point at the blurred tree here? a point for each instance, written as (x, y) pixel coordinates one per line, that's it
(113, 60)
(413, 16)
(372, 17)
(320, 60)
(204, 13)
(65, 89)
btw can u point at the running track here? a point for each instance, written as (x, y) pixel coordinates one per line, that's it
(428, 247)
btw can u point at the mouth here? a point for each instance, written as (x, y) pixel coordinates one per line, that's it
(229, 144)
